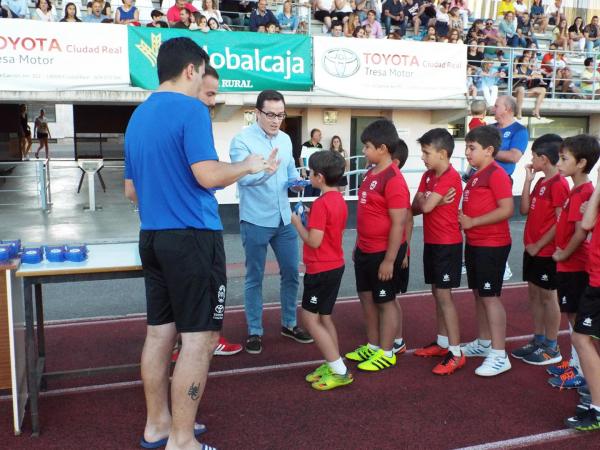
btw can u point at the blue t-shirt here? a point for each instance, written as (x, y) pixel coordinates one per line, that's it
(513, 136)
(166, 135)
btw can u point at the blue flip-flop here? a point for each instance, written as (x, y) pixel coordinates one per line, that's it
(199, 428)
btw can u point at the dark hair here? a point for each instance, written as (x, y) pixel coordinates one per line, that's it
(335, 23)
(486, 136)
(215, 21)
(329, 164)
(400, 153)
(356, 30)
(313, 131)
(548, 145)
(268, 95)
(588, 62)
(438, 138)
(335, 136)
(209, 71)
(381, 132)
(174, 55)
(156, 13)
(37, 4)
(67, 7)
(583, 146)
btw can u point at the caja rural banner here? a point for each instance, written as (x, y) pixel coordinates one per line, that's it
(389, 69)
(245, 61)
(42, 56)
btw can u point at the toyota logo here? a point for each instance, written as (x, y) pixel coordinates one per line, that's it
(341, 62)
(219, 309)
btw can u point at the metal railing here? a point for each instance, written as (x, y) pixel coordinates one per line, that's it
(14, 183)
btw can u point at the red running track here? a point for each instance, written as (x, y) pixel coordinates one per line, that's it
(251, 404)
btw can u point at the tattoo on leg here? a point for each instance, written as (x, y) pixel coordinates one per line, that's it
(194, 391)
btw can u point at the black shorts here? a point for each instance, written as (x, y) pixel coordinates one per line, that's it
(321, 291)
(366, 268)
(485, 269)
(540, 270)
(588, 315)
(403, 276)
(442, 264)
(321, 14)
(41, 135)
(570, 287)
(185, 278)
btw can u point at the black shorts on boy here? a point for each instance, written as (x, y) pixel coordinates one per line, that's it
(366, 269)
(485, 269)
(540, 270)
(185, 278)
(570, 287)
(442, 264)
(321, 291)
(588, 315)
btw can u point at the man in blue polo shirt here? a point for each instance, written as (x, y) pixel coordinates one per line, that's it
(171, 170)
(265, 219)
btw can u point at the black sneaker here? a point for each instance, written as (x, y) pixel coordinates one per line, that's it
(297, 334)
(588, 421)
(526, 350)
(584, 390)
(254, 344)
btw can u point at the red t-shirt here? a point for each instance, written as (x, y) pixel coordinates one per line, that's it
(329, 214)
(547, 195)
(173, 12)
(378, 193)
(440, 226)
(476, 122)
(565, 228)
(594, 259)
(481, 195)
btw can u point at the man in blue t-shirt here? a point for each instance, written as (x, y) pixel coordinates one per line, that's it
(171, 169)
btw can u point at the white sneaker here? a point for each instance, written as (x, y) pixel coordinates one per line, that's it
(474, 348)
(493, 365)
(507, 273)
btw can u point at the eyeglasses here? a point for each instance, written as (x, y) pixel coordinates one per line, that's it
(273, 116)
(489, 23)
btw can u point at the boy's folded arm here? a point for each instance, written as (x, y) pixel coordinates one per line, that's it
(547, 238)
(504, 211)
(591, 213)
(428, 204)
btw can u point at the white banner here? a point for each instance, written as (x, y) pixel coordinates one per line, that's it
(389, 69)
(42, 56)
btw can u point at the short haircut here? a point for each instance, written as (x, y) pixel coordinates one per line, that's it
(509, 101)
(336, 23)
(438, 138)
(209, 71)
(486, 136)
(313, 131)
(381, 132)
(328, 163)
(548, 145)
(156, 13)
(268, 95)
(478, 107)
(174, 55)
(400, 153)
(588, 62)
(583, 146)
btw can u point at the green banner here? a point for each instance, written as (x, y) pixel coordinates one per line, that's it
(245, 61)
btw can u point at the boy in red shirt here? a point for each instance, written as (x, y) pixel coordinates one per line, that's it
(478, 110)
(587, 323)
(487, 206)
(383, 203)
(324, 261)
(542, 207)
(442, 253)
(578, 155)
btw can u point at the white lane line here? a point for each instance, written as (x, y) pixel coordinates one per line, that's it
(62, 323)
(526, 440)
(220, 373)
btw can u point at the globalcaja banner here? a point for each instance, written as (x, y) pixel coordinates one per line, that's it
(43, 56)
(389, 69)
(245, 61)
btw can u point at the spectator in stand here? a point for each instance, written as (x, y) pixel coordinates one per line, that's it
(524, 23)
(336, 146)
(96, 16)
(376, 30)
(272, 28)
(565, 87)
(455, 22)
(486, 80)
(199, 22)
(412, 11)
(337, 30)
(555, 12)
(185, 19)
(474, 54)
(454, 37)
(508, 30)
(44, 11)
(429, 13)
(261, 16)
(525, 82)
(287, 20)
(352, 23)
(393, 14)
(323, 12)
(359, 32)
(442, 19)
(361, 8)
(520, 9)
(4, 12)
(157, 19)
(590, 80)
(127, 14)
(214, 25)
(70, 13)
(430, 34)
(538, 16)
(210, 10)
(592, 35)
(173, 13)
(492, 35)
(504, 6)
(463, 10)
(341, 10)
(18, 8)
(576, 36)
(476, 31)
(106, 9)
(560, 35)
(471, 88)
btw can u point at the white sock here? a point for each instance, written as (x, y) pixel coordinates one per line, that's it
(455, 349)
(501, 353)
(388, 353)
(373, 347)
(485, 342)
(338, 366)
(442, 341)
(399, 341)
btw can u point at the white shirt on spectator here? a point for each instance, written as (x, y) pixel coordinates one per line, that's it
(215, 13)
(44, 16)
(552, 9)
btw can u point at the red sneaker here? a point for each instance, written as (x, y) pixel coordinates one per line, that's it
(431, 350)
(450, 364)
(226, 348)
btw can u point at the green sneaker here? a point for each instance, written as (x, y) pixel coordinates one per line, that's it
(362, 353)
(332, 380)
(378, 361)
(318, 373)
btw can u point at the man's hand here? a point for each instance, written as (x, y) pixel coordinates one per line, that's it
(529, 173)
(298, 188)
(449, 197)
(532, 249)
(272, 163)
(386, 270)
(559, 255)
(255, 163)
(466, 222)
